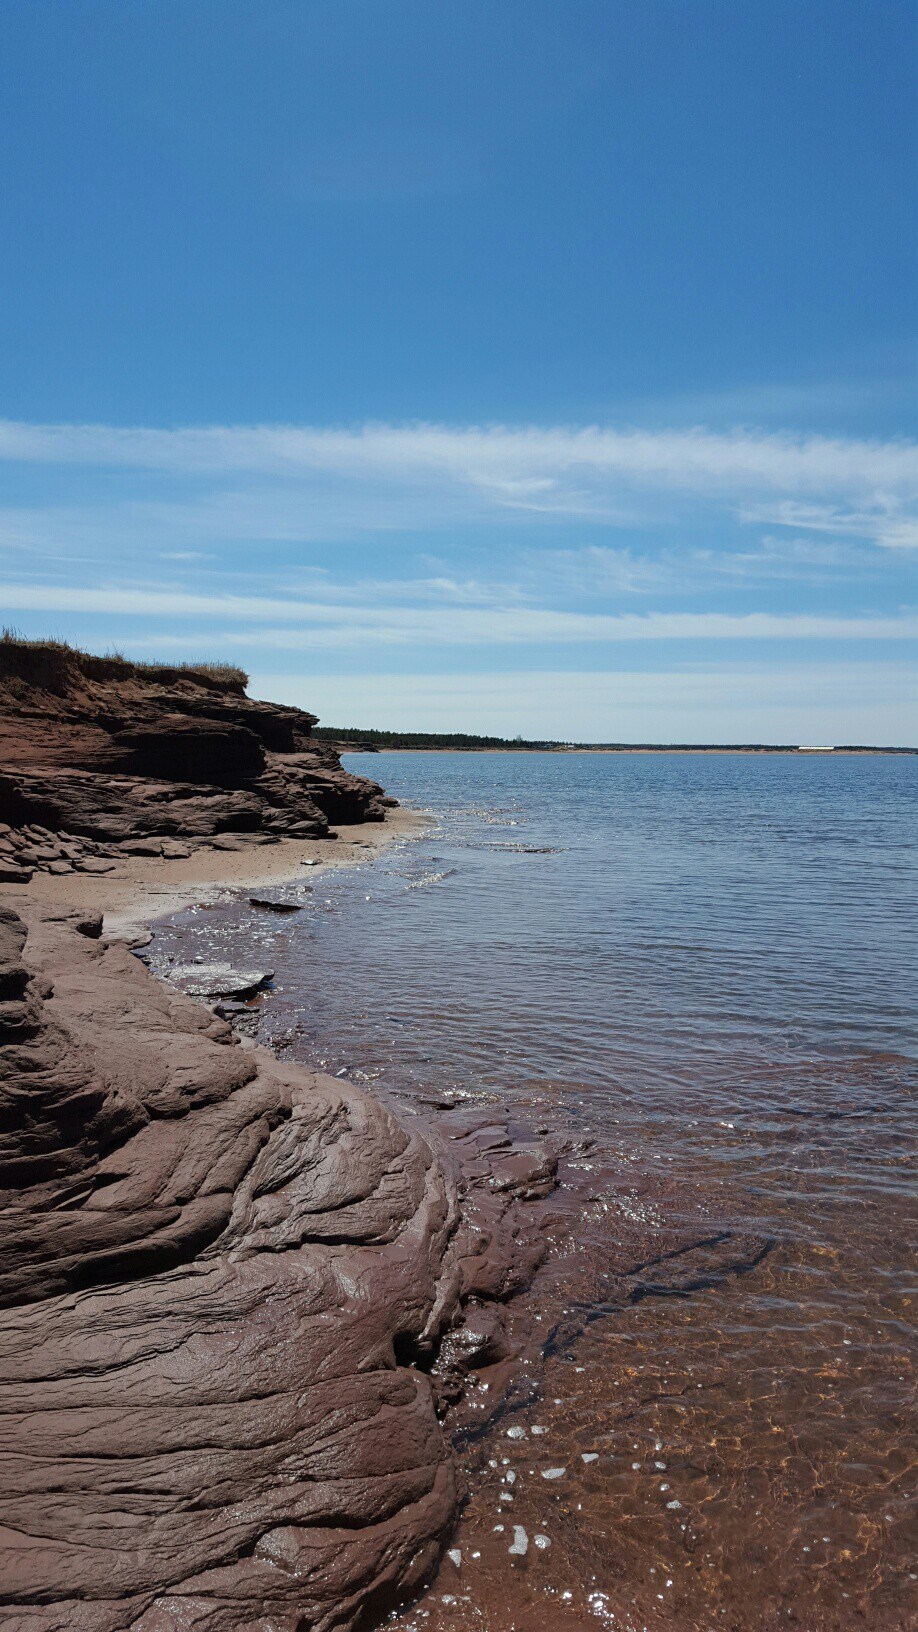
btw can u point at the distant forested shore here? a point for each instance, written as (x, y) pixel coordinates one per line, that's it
(373, 741)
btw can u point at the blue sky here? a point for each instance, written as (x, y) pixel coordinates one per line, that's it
(515, 367)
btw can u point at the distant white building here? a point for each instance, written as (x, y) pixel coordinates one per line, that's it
(816, 748)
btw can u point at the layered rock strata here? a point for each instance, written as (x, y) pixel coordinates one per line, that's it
(236, 1297)
(223, 1282)
(103, 754)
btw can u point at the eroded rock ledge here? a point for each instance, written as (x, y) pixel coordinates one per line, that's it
(99, 757)
(222, 1281)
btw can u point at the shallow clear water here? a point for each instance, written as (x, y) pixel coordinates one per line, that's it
(699, 922)
(710, 963)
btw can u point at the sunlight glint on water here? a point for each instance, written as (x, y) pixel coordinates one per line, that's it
(710, 963)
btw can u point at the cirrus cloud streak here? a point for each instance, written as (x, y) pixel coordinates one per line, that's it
(522, 462)
(329, 624)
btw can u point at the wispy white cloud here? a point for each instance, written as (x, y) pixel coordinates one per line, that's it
(198, 487)
(232, 535)
(880, 380)
(885, 522)
(266, 620)
(283, 512)
(522, 461)
(601, 569)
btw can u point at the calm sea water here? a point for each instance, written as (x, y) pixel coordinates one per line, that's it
(690, 931)
(712, 963)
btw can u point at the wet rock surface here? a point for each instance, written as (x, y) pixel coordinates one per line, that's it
(219, 980)
(224, 1288)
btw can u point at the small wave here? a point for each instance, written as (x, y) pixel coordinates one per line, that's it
(516, 849)
(430, 878)
(529, 849)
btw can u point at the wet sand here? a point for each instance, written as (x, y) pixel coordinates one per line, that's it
(141, 888)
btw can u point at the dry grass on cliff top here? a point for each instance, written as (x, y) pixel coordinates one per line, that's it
(114, 665)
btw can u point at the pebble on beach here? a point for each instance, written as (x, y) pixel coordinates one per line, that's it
(520, 1543)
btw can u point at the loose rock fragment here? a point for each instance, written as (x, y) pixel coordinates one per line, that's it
(219, 980)
(11, 874)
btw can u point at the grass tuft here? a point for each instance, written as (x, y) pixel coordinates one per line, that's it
(112, 663)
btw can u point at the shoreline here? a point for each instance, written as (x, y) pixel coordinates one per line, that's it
(526, 1176)
(142, 889)
(762, 753)
(358, 1262)
(396, 1242)
(313, 1251)
(514, 1172)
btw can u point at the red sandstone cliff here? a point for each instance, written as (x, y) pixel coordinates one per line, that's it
(116, 754)
(235, 1296)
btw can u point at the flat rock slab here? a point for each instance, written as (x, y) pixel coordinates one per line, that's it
(218, 979)
(175, 850)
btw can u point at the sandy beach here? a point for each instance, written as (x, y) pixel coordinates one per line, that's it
(141, 889)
